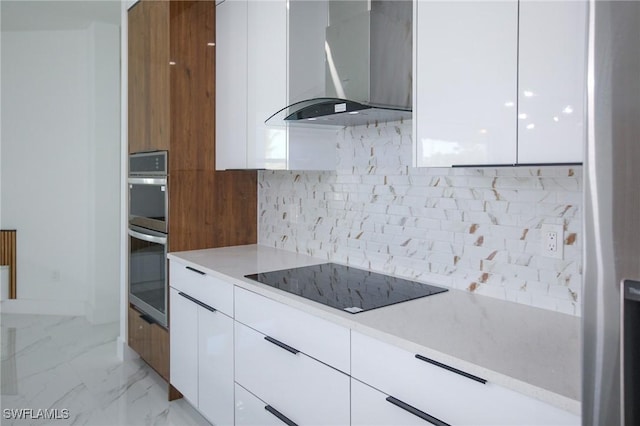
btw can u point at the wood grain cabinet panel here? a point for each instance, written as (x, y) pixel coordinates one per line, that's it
(148, 85)
(150, 341)
(138, 333)
(192, 86)
(159, 354)
(212, 209)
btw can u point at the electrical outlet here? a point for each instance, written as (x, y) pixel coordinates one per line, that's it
(55, 275)
(552, 240)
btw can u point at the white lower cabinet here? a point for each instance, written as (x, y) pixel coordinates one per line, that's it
(251, 411)
(273, 364)
(201, 362)
(183, 364)
(215, 366)
(449, 394)
(314, 336)
(300, 388)
(370, 407)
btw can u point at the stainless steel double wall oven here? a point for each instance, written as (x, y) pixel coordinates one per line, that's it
(148, 213)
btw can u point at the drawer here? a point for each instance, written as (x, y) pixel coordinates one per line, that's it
(314, 336)
(447, 395)
(369, 407)
(298, 386)
(251, 411)
(150, 341)
(211, 291)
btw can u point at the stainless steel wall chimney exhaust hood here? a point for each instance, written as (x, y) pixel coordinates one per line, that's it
(350, 62)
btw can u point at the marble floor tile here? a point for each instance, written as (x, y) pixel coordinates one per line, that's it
(67, 364)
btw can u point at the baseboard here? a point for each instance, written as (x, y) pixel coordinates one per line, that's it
(102, 315)
(125, 353)
(43, 307)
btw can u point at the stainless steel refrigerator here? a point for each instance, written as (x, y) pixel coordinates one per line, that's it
(611, 314)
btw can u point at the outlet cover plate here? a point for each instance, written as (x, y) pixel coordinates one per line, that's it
(552, 241)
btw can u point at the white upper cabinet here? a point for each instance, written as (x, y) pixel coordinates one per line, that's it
(252, 84)
(499, 83)
(231, 85)
(266, 83)
(465, 85)
(552, 72)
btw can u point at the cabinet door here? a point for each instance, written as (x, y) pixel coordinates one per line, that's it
(296, 385)
(184, 346)
(465, 83)
(369, 407)
(150, 341)
(148, 98)
(451, 396)
(250, 410)
(231, 85)
(552, 72)
(267, 83)
(215, 364)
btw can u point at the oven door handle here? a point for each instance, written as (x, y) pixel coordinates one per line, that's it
(148, 238)
(147, 181)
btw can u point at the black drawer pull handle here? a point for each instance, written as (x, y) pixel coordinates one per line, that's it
(197, 302)
(279, 415)
(148, 319)
(282, 345)
(195, 270)
(416, 412)
(453, 370)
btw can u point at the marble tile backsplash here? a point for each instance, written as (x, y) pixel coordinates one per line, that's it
(474, 229)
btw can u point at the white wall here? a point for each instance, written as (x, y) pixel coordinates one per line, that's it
(0, 120)
(104, 232)
(476, 230)
(60, 158)
(123, 347)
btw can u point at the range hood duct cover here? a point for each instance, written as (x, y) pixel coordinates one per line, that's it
(368, 65)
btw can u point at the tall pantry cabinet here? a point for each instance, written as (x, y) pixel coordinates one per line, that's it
(171, 104)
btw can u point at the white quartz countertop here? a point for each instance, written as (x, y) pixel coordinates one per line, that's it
(530, 350)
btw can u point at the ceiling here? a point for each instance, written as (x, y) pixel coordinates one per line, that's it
(27, 15)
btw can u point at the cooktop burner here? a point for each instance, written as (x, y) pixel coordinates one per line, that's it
(344, 287)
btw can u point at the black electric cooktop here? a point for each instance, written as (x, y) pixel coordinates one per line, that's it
(344, 287)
